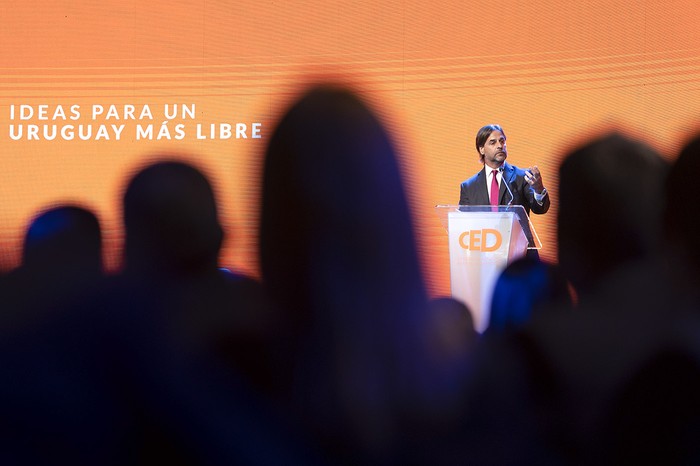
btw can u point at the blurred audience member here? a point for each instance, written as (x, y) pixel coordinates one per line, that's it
(173, 240)
(526, 288)
(610, 210)
(681, 222)
(64, 239)
(338, 255)
(609, 231)
(61, 260)
(52, 410)
(171, 222)
(200, 352)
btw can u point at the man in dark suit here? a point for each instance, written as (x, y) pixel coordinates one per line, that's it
(525, 186)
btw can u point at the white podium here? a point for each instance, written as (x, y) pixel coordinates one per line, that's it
(483, 240)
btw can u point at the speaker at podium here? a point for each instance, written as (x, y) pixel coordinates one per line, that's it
(483, 240)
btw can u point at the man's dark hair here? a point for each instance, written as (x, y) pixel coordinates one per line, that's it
(483, 135)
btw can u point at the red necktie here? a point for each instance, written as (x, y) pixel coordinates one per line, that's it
(494, 190)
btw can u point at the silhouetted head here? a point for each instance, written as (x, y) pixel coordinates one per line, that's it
(63, 240)
(610, 203)
(333, 204)
(682, 223)
(338, 255)
(171, 220)
(524, 288)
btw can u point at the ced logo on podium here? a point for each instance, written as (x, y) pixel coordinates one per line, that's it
(485, 240)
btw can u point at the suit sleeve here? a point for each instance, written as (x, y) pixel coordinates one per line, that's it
(535, 206)
(526, 195)
(463, 195)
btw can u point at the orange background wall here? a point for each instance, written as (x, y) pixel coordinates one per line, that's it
(551, 73)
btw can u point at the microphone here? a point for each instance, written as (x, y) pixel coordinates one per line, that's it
(512, 198)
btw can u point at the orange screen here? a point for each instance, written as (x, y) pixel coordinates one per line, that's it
(90, 91)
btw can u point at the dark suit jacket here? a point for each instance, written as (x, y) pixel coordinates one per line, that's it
(474, 191)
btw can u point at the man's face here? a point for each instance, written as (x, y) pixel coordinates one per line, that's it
(494, 151)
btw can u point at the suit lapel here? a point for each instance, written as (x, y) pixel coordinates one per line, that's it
(482, 189)
(507, 176)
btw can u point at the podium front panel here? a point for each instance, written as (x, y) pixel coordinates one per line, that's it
(481, 245)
